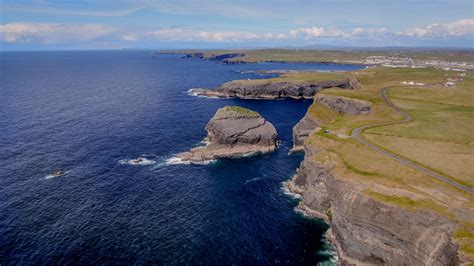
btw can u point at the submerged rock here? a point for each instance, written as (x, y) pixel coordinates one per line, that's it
(233, 132)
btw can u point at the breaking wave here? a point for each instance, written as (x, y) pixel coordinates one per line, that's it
(138, 161)
(286, 190)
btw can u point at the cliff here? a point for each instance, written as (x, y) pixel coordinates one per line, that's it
(363, 228)
(367, 231)
(275, 90)
(232, 132)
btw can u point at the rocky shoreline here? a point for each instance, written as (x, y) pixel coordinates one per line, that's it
(363, 230)
(274, 90)
(366, 231)
(234, 132)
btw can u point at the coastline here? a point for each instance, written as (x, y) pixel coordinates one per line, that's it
(324, 194)
(375, 58)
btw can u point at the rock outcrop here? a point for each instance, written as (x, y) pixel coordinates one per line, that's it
(232, 132)
(219, 57)
(368, 231)
(194, 55)
(338, 104)
(302, 130)
(275, 90)
(344, 105)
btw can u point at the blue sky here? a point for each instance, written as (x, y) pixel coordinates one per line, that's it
(109, 24)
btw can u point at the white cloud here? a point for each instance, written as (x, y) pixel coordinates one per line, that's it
(363, 32)
(47, 33)
(317, 32)
(458, 28)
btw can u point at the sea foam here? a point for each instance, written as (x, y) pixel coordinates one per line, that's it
(142, 161)
(192, 92)
(286, 190)
(53, 176)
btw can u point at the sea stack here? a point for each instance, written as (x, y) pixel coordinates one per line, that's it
(234, 132)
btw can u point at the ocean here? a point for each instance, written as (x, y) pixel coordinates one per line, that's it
(89, 113)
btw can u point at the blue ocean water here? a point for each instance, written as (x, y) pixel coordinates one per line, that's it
(87, 113)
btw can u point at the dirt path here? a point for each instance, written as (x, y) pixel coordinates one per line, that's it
(356, 134)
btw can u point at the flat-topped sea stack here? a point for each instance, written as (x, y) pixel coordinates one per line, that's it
(234, 132)
(256, 89)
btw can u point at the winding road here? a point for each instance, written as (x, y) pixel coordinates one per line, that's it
(356, 134)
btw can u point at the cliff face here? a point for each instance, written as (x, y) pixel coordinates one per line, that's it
(275, 90)
(302, 130)
(344, 105)
(229, 127)
(234, 131)
(365, 230)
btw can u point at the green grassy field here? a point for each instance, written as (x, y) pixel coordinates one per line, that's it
(238, 110)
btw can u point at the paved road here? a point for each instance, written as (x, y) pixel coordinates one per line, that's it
(406, 118)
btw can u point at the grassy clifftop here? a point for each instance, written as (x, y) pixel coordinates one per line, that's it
(235, 111)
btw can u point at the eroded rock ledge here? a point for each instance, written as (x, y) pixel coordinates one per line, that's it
(233, 132)
(274, 90)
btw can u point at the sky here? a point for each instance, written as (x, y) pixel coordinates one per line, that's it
(177, 24)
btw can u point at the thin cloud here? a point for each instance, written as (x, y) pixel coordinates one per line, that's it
(70, 12)
(457, 28)
(208, 7)
(47, 33)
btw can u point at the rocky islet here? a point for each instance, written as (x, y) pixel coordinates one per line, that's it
(234, 132)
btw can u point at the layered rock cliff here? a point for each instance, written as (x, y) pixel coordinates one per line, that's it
(275, 90)
(365, 230)
(344, 105)
(232, 132)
